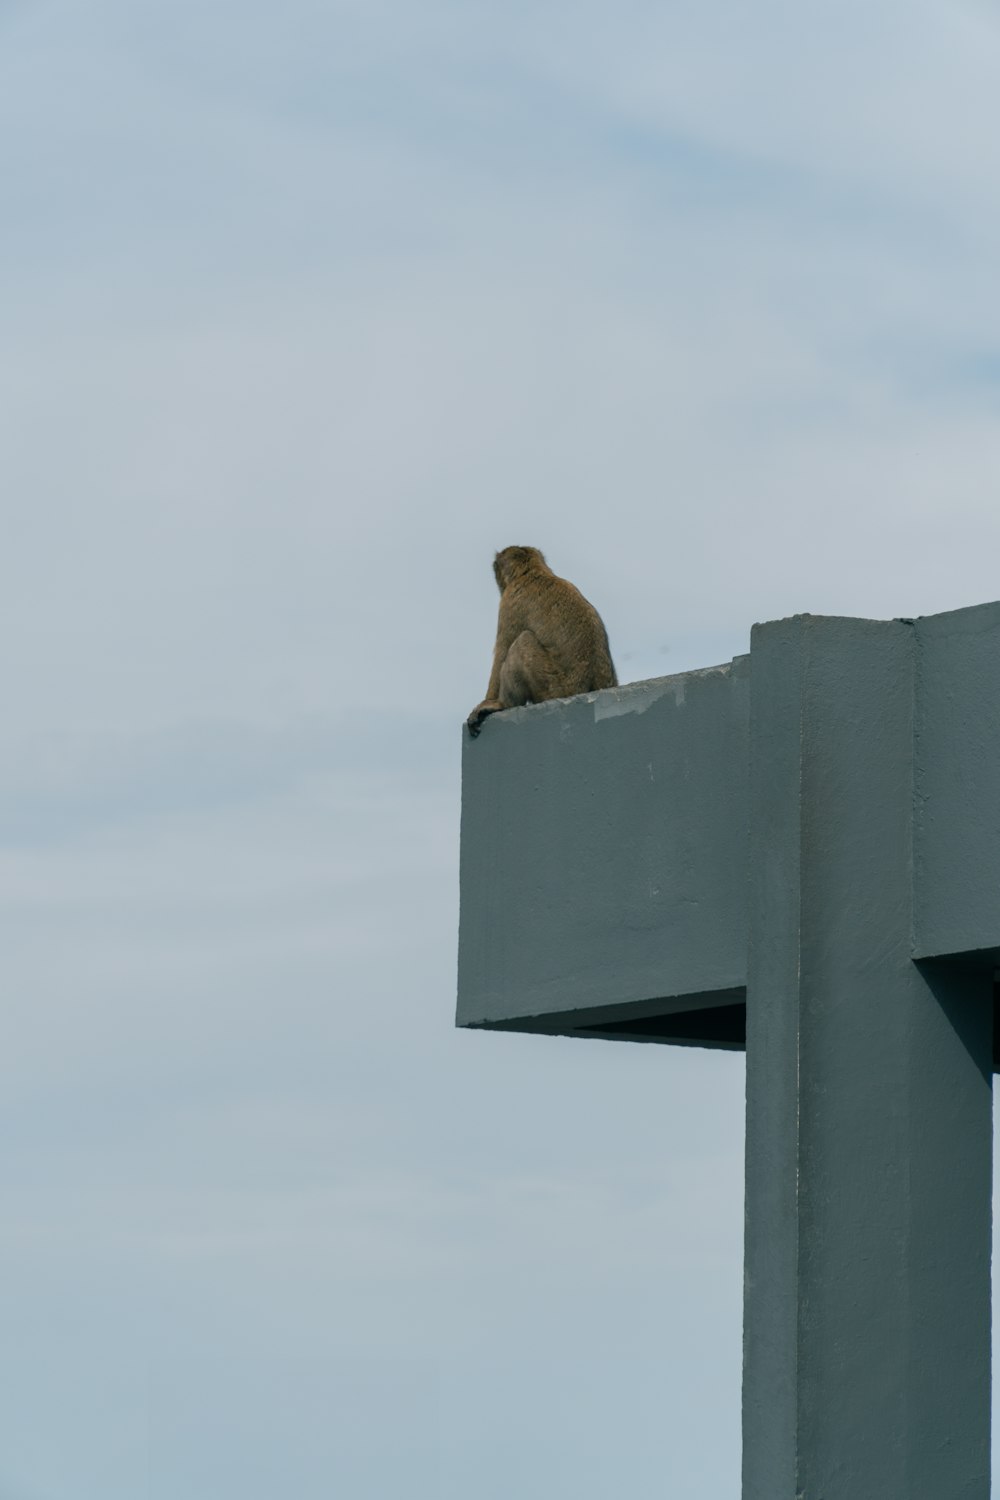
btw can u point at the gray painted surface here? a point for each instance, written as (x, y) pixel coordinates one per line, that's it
(603, 853)
(868, 1153)
(957, 754)
(801, 849)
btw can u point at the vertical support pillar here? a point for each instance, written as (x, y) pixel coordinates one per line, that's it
(869, 1102)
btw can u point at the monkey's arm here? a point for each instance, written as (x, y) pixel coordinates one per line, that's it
(503, 643)
(509, 626)
(491, 703)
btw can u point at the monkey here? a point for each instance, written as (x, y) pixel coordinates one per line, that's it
(551, 642)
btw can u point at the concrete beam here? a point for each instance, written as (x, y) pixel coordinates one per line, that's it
(604, 862)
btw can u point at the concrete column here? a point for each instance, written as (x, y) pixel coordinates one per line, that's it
(869, 1103)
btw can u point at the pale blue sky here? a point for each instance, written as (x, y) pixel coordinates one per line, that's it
(305, 311)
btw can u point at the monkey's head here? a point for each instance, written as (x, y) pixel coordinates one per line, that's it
(514, 562)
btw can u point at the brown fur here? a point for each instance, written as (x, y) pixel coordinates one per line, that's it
(551, 643)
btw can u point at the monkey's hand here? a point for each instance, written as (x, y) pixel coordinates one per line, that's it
(479, 713)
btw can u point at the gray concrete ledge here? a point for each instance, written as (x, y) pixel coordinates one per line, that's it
(603, 857)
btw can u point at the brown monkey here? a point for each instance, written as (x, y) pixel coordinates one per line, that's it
(551, 643)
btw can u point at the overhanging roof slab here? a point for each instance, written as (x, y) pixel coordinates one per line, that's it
(604, 862)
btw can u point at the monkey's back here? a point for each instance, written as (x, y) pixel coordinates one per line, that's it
(568, 626)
